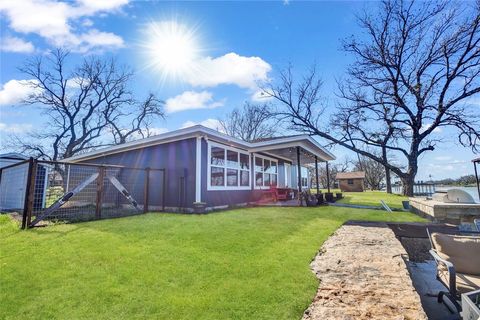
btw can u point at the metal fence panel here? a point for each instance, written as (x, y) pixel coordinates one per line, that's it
(71, 192)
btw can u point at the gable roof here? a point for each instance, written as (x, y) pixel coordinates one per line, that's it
(13, 156)
(305, 141)
(351, 175)
(275, 138)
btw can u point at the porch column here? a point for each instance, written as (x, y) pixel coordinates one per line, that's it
(328, 178)
(316, 174)
(299, 176)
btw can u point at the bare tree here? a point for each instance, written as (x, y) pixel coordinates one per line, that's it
(413, 74)
(374, 172)
(141, 117)
(333, 169)
(83, 106)
(250, 123)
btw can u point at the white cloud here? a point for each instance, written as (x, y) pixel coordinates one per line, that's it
(93, 6)
(56, 22)
(474, 101)
(189, 100)
(150, 132)
(443, 158)
(441, 167)
(428, 125)
(14, 91)
(260, 96)
(17, 128)
(209, 123)
(231, 68)
(14, 44)
(157, 131)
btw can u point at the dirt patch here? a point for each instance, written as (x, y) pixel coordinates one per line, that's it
(417, 249)
(363, 276)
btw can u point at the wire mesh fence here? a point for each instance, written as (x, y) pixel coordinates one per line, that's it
(71, 192)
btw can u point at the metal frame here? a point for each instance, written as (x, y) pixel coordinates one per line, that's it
(452, 294)
(475, 162)
(98, 177)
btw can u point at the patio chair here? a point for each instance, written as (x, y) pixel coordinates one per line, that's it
(476, 222)
(282, 193)
(458, 265)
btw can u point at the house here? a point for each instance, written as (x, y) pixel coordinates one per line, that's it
(13, 182)
(214, 169)
(351, 181)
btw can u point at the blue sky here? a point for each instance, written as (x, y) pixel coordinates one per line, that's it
(236, 44)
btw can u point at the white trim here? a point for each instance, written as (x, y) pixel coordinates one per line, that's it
(263, 173)
(198, 170)
(285, 159)
(288, 174)
(225, 167)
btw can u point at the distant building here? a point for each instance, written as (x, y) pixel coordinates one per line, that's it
(351, 181)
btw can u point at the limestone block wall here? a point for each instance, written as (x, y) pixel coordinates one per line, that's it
(445, 212)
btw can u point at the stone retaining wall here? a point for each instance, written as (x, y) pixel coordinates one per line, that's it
(455, 213)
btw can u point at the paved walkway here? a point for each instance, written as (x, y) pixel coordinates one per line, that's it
(363, 275)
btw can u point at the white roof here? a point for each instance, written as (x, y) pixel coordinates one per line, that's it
(306, 142)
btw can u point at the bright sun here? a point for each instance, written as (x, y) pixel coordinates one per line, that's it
(172, 48)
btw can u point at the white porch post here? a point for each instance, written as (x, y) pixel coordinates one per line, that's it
(198, 170)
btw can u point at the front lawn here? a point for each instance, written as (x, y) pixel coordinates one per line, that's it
(372, 198)
(239, 264)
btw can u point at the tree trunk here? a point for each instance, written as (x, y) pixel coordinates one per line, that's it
(388, 179)
(408, 183)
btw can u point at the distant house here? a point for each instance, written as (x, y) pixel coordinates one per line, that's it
(351, 181)
(218, 170)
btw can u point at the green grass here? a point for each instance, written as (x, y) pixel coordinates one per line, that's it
(372, 198)
(7, 225)
(239, 264)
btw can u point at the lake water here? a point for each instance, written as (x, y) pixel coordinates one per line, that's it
(471, 190)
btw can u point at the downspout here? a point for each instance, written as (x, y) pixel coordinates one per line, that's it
(328, 178)
(316, 174)
(299, 177)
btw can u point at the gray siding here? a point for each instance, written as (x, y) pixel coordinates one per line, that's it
(178, 158)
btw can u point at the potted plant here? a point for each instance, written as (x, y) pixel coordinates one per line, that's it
(329, 197)
(320, 198)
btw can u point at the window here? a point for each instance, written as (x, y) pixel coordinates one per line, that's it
(350, 181)
(304, 179)
(266, 172)
(304, 182)
(229, 168)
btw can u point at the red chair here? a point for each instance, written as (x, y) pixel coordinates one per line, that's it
(281, 193)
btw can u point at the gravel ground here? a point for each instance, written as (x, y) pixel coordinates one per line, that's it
(363, 276)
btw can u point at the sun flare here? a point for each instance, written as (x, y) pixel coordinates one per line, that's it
(172, 48)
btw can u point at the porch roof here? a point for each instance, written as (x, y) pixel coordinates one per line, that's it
(286, 148)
